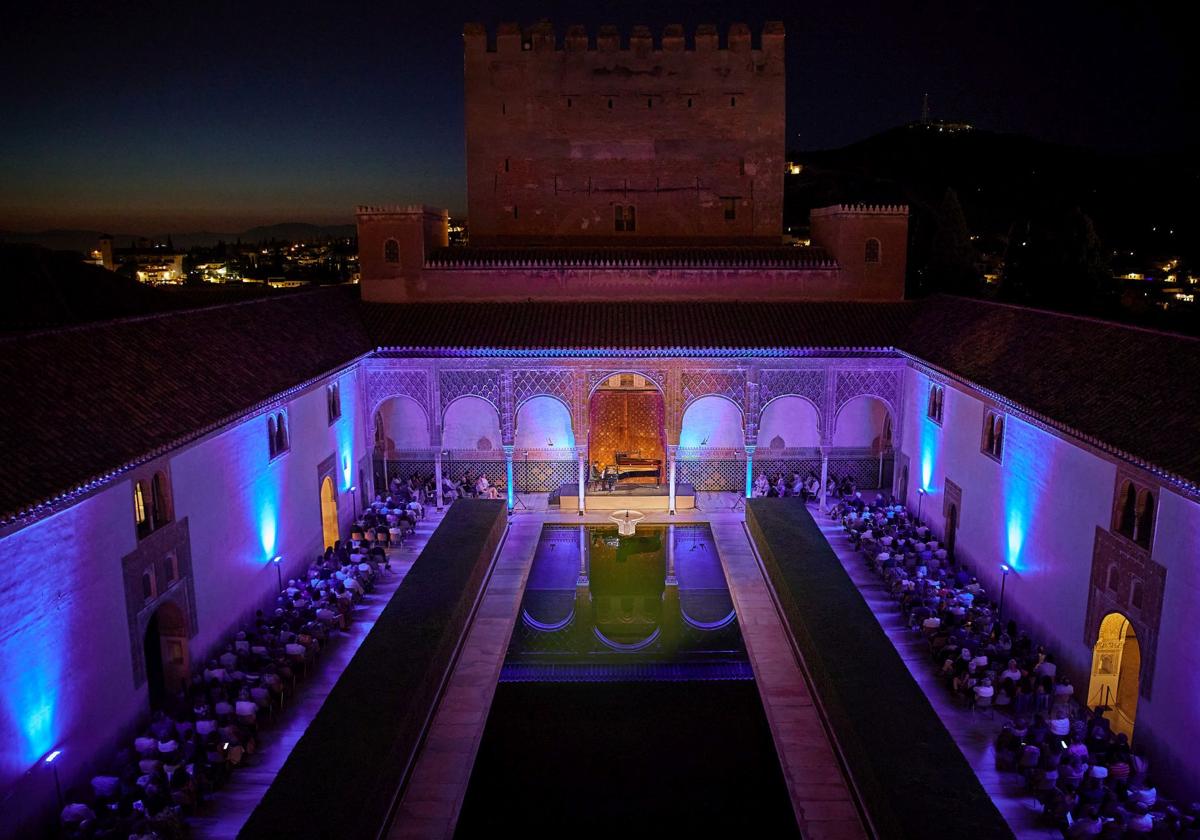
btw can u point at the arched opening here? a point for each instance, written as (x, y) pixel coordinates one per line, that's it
(1128, 512)
(400, 425)
(998, 436)
(329, 515)
(271, 435)
(471, 423)
(1145, 518)
(544, 423)
(951, 528)
(165, 648)
(793, 420)
(871, 251)
(863, 423)
(161, 511)
(712, 422)
(391, 251)
(141, 516)
(1116, 669)
(626, 435)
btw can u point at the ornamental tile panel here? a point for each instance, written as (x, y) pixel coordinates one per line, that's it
(703, 383)
(801, 383)
(534, 383)
(884, 384)
(470, 383)
(383, 384)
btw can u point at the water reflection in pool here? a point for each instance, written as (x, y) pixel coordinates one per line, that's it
(599, 606)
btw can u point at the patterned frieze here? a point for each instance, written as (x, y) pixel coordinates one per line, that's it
(479, 382)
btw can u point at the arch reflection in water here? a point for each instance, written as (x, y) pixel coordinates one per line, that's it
(600, 606)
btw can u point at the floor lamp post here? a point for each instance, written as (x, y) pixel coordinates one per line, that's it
(354, 501)
(277, 561)
(1004, 570)
(920, 502)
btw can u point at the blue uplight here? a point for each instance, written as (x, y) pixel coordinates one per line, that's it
(267, 529)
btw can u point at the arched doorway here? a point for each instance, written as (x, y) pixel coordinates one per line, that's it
(951, 528)
(626, 428)
(329, 514)
(1116, 670)
(165, 647)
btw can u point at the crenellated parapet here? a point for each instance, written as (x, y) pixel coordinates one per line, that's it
(862, 209)
(511, 39)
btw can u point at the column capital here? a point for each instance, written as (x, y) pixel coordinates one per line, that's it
(581, 452)
(508, 450)
(750, 450)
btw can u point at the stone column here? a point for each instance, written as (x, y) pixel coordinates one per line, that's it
(583, 464)
(672, 452)
(824, 473)
(672, 579)
(437, 476)
(749, 471)
(508, 475)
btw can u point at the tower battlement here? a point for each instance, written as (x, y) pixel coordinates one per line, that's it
(540, 38)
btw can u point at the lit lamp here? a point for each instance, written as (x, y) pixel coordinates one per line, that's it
(354, 500)
(920, 502)
(50, 759)
(277, 561)
(1004, 570)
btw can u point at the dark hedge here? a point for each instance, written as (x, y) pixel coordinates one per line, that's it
(340, 777)
(913, 778)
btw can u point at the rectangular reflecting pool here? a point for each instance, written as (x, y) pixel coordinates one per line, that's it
(626, 697)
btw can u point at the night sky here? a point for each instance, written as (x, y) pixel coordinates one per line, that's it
(155, 118)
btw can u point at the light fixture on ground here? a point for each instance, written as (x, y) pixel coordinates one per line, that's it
(354, 500)
(1004, 570)
(50, 759)
(920, 502)
(277, 561)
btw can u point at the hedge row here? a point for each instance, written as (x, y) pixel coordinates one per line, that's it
(341, 776)
(913, 778)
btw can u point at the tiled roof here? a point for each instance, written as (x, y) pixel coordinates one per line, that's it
(657, 328)
(1130, 388)
(83, 401)
(588, 256)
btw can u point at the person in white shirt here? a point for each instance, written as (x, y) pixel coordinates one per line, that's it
(761, 486)
(449, 489)
(485, 490)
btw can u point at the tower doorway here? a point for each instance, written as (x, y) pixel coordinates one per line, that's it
(329, 513)
(165, 647)
(1116, 670)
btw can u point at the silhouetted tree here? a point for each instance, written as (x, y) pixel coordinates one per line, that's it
(1056, 259)
(952, 256)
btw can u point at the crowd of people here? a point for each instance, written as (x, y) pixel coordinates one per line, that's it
(807, 488)
(1087, 778)
(202, 732)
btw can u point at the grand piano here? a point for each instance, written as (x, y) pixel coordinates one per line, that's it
(632, 465)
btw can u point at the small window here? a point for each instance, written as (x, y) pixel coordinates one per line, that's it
(333, 396)
(280, 438)
(649, 103)
(730, 206)
(689, 102)
(1145, 519)
(624, 218)
(171, 566)
(568, 102)
(160, 511)
(871, 252)
(503, 108)
(506, 164)
(271, 435)
(993, 435)
(391, 251)
(139, 507)
(516, 212)
(937, 395)
(1114, 579)
(1135, 595)
(733, 102)
(610, 104)
(1128, 513)
(149, 584)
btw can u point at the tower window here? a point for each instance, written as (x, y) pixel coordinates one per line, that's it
(391, 251)
(993, 435)
(733, 102)
(624, 218)
(871, 251)
(689, 102)
(730, 206)
(506, 164)
(610, 104)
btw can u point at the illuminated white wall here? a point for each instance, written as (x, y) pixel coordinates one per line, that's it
(469, 420)
(793, 420)
(713, 423)
(64, 647)
(860, 423)
(244, 507)
(1038, 511)
(544, 423)
(404, 424)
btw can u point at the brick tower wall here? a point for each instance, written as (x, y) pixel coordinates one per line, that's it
(688, 133)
